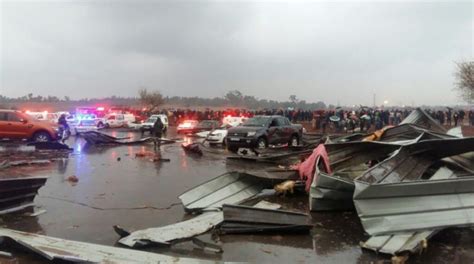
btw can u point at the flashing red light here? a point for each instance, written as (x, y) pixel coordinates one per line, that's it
(100, 108)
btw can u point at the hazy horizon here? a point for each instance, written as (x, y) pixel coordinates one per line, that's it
(335, 52)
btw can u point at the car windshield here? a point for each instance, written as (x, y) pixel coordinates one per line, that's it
(206, 124)
(151, 120)
(257, 121)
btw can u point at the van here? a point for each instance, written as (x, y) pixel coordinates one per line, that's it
(116, 120)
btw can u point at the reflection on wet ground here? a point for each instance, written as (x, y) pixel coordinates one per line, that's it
(115, 187)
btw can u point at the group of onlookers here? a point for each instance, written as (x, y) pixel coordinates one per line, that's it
(339, 119)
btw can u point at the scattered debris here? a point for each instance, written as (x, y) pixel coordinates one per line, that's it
(246, 219)
(169, 234)
(229, 188)
(399, 243)
(73, 179)
(206, 246)
(142, 154)
(18, 193)
(56, 249)
(97, 138)
(36, 213)
(192, 148)
(405, 179)
(286, 186)
(55, 145)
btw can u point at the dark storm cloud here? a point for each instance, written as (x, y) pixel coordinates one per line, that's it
(336, 52)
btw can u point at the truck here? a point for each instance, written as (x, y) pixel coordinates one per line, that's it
(116, 120)
(262, 131)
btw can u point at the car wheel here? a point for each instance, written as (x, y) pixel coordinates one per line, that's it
(294, 141)
(107, 125)
(41, 137)
(261, 143)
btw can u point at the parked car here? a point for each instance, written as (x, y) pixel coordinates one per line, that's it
(206, 125)
(187, 126)
(262, 131)
(217, 136)
(116, 120)
(84, 126)
(15, 125)
(233, 120)
(148, 124)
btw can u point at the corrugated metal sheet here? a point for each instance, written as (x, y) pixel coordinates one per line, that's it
(244, 219)
(409, 163)
(335, 191)
(401, 195)
(181, 230)
(167, 234)
(19, 193)
(229, 188)
(410, 133)
(53, 248)
(398, 243)
(421, 118)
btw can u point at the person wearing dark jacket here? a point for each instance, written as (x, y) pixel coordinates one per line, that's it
(157, 131)
(158, 128)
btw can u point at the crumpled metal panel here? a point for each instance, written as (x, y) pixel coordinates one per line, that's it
(398, 243)
(335, 191)
(228, 188)
(421, 118)
(181, 230)
(19, 193)
(409, 163)
(393, 196)
(166, 234)
(53, 248)
(410, 133)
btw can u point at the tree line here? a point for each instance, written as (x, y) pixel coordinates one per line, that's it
(154, 99)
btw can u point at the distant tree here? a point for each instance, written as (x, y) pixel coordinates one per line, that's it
(152, 100)
(464, 80)
(293, 99)
(234, 97)
(67, 99)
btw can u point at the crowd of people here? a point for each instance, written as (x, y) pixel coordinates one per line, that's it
(339, 118)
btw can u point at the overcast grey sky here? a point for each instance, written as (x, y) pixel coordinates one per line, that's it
(329, 51)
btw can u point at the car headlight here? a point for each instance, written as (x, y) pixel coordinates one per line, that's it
(250, 134)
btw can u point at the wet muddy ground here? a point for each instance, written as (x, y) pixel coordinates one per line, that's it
(115, 187)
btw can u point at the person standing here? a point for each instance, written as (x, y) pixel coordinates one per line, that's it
(157, 131)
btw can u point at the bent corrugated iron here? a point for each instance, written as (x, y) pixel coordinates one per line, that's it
(229, 188)
(423, 192)
(56, 249)
(246, 219)
(19, 193)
